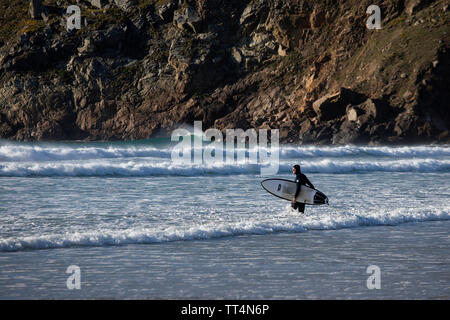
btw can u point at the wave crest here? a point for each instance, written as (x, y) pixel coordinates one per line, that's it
(38, 153)
(140, 168)
(283, 222)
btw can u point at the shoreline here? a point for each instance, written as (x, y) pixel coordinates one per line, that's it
(330, 264)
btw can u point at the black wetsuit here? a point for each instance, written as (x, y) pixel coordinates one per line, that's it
(300, 179)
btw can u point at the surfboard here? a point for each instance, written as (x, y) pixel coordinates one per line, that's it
(285, 189)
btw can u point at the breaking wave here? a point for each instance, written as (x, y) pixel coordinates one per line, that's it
(151, 168)
(283, 222)
(39, 153)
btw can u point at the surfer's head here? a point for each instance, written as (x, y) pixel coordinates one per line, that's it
(296, 169)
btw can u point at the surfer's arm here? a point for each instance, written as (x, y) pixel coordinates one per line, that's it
(307, 182)
(297, 190)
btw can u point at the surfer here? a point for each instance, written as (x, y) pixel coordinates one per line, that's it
(300, 179)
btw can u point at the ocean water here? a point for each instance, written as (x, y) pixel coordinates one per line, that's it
(139, 225)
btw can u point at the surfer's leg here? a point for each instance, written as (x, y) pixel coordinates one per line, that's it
(301, 207)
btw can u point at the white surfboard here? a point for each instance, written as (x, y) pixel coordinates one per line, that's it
(285, 189)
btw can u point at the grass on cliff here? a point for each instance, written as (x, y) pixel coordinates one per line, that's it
(404, 47)
(15, 20)
(12, 17)
(101, 19)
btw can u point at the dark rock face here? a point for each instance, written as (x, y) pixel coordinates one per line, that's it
(37, 10)
(140, 68)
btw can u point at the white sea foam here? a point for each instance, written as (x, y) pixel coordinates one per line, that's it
(37, 153)
(285, 221)
(348, 151)
(152, 168)
(13, 152)
(67, 160)
(402, 165)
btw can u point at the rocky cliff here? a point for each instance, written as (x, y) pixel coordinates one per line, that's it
(139, 68)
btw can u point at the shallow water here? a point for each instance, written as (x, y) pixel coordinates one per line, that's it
(108, 205)
(332, 264)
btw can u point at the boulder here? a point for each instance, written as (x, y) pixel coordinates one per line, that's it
(186, 18)
(327, 108)
(362, 112)
(353, 114)
(334, 105)
(350, 132)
